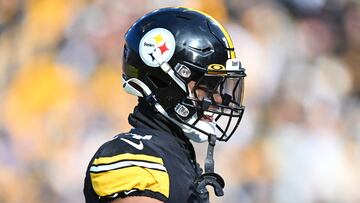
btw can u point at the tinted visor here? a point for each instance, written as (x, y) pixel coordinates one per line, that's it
(222, 93)
(218, 99)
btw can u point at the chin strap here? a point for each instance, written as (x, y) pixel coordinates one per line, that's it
(209, 177)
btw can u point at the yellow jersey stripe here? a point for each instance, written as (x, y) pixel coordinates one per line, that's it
(135, 177)
(127, 156)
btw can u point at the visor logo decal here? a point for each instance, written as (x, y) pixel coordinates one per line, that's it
(216, 69)
(160, 41)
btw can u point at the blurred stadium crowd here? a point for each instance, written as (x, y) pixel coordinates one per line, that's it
(61, 96)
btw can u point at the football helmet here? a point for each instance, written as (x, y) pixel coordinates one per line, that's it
(183, 63)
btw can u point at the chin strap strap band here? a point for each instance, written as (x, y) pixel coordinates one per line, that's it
(209, 161)
(209, 177)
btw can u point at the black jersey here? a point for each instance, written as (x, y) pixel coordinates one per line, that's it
(147, 161)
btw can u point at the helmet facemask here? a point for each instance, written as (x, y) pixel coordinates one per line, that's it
(213, 106)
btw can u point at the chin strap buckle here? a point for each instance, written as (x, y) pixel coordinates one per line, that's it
(209, 177)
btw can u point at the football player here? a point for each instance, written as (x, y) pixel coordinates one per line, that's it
(181, 65)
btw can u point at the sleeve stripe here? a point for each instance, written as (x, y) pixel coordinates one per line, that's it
(127, 156)
(126, 160)
(123, 164)
(129, 178)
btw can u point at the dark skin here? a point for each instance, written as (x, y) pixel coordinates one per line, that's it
(201, 92)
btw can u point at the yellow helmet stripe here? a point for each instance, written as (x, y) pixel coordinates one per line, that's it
(223, 30)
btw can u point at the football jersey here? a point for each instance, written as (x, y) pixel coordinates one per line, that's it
(143, 162)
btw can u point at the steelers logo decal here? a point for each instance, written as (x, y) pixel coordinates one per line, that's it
(157, 41)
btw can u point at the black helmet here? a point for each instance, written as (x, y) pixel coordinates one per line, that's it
(182, 61)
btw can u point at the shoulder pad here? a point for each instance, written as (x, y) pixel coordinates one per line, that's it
(127, 163)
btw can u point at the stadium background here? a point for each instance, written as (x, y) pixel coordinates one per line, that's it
(61, 96)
